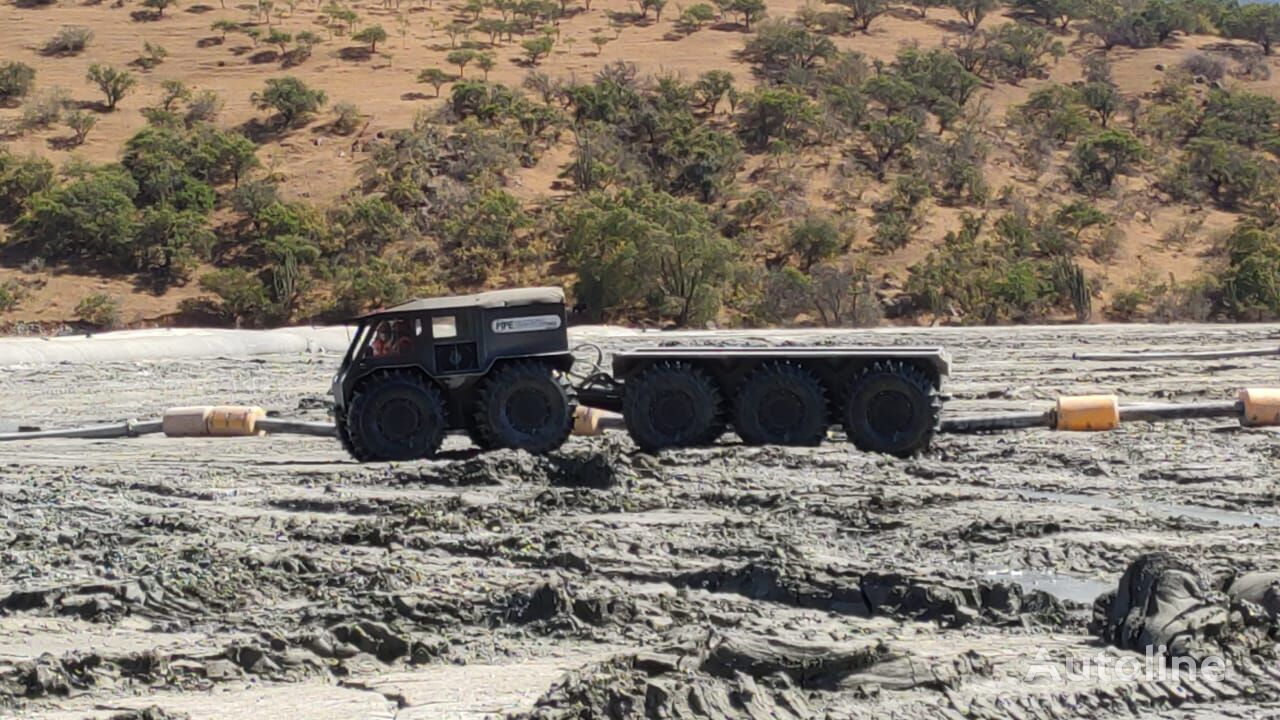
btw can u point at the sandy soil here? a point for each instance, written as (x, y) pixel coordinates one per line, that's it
(215, 578)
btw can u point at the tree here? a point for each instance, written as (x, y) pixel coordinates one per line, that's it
(862, 12)
(888, 138)
(749, 10)
(291, 98)
(973, 11)
(460, 58)
(1099, 159)
(922, 6)
(776, 113)
(1254, 22)
(173, 91)
(1103, 99)
(711, 88)
(434, 77)
(1231, 175)
(1015, 51)
(481, 235)
(159, 5)
(1060, 12)
(781, 46)
(225, 26)
(537, 48)
(640, 247)
(90, 216)
(113, 83)
(815, 238)
(167, 243)
(695, 16)
(373, 35)
(80, 123)
(486, 62)
(16, 80)
(21, 178)
(600, 41)
(243, 296)
(1251, 280)
(655, 5)
(279, 38)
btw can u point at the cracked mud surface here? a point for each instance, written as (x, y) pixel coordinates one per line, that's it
(204, 578)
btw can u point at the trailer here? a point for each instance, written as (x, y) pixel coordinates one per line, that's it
(498, 367)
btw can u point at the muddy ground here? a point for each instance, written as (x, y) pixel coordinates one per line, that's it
(210, 578)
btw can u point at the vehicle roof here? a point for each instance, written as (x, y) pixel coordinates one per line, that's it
(491, 299)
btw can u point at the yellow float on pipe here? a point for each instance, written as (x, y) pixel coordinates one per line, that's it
(1261, 407)
(204, 420)
(1088, 413)
(594, 421)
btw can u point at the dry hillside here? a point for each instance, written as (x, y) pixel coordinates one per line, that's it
(1151, 234)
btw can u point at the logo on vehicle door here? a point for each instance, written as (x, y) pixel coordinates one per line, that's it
(533, 323)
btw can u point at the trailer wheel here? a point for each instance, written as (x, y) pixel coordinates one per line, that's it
(395, 415)
(782, 404)
(672, 404)
(524, 405)
(893, 409)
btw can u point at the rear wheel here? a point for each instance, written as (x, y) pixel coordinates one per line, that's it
(395, 415)
(524, 405)
(893, 408)
(672, 404)
(782, 404)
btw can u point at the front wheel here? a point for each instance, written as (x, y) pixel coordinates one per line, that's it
(892, 408)
(395, 415)
(781, 404)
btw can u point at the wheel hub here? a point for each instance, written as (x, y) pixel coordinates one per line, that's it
(528, 410)
(889, 412)
(672, 412)
(781, 410)
(399, 419)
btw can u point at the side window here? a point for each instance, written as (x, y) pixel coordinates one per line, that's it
(444, 327)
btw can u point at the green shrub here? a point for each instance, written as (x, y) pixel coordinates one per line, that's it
(776, 114)
(113, 83)
(1251, 279)
(21, 178)
(481, 236)
(45, 108)
(80, 123)
(241, 295)
(1254, 22)
(11, 295)
(1231, 175)
(782, 47)
(100, 310)
(90, 216)
(889, 138)
(346, 118)
(291, 99)
(373, 35)
(16, 80)
(69, 40)
(1099, 159)
(816, 238)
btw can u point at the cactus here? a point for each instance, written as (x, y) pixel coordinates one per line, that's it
(1071, 283)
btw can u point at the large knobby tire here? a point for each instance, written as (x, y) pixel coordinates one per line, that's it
(893, 409)
(524, 405)
(396, 415)
(672, 404)
(344, 438)
(781, 404)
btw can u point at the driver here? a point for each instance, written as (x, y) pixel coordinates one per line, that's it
(391, 339)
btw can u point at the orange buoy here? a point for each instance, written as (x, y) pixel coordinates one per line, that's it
(1088, 413)
(1261, 407)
